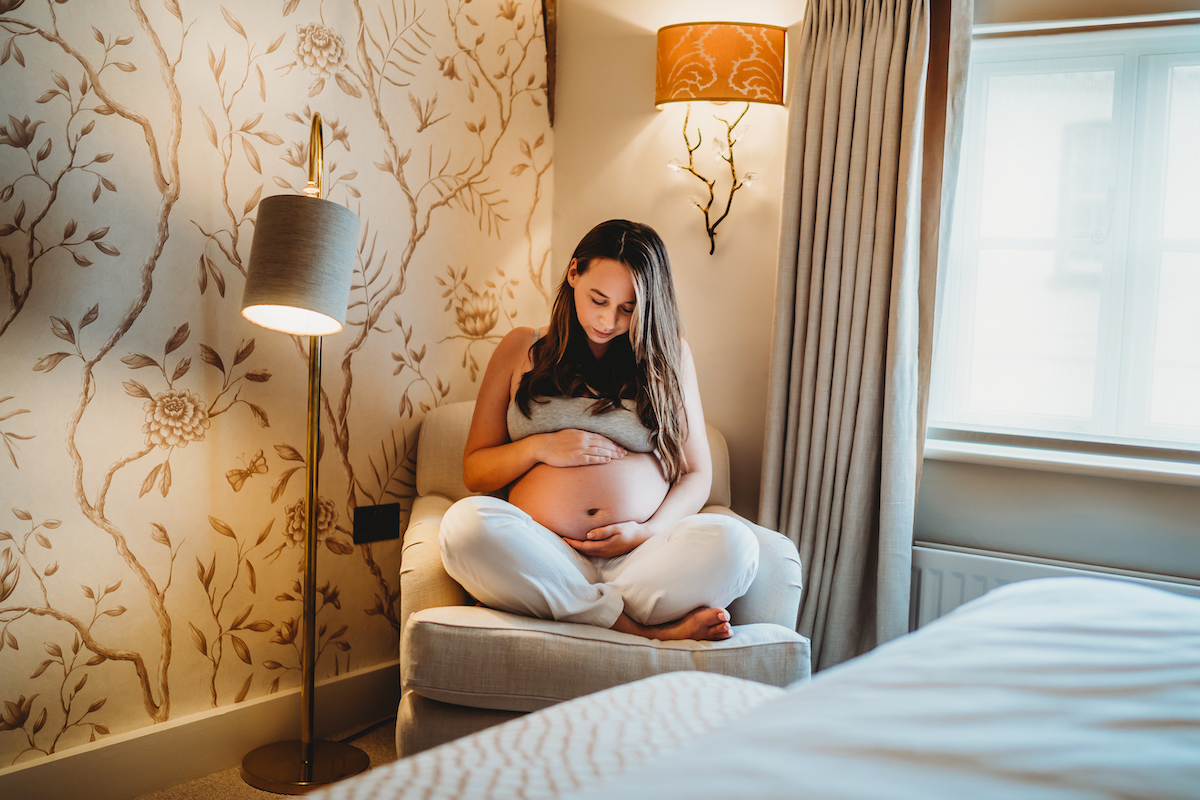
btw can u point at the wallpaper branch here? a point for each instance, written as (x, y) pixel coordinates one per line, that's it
(148, 568)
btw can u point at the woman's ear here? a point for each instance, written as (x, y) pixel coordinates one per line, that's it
(572, 273)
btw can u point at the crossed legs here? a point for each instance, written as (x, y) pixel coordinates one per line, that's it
(674, 586)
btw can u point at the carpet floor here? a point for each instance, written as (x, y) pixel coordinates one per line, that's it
(378, 741)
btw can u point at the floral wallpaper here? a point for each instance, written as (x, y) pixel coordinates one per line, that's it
(152, 467)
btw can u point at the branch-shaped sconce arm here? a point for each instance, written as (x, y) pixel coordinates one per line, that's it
(726, 154)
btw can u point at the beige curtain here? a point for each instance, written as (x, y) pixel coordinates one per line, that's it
(874, 126)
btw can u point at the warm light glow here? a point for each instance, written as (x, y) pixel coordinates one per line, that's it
(289, 319)
(301, 265)
(720, 61)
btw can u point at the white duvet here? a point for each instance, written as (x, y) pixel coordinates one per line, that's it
(1062, 688)
(1059, 688)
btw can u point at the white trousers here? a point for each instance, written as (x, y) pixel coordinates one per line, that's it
(509, 561)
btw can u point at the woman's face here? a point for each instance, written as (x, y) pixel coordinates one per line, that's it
(604, 300)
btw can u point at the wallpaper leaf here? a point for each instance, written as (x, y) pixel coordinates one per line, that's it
(146, 425)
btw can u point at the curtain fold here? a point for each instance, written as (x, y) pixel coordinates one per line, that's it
(875, 102)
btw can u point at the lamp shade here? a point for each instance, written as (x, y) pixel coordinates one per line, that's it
(301, 263)
(720, 61)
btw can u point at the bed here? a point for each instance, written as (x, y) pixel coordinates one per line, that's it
(1056, 688)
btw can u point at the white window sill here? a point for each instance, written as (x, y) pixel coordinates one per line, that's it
(1093, 464)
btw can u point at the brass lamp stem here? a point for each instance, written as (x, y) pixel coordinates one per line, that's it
(308, 656)
(316, 157)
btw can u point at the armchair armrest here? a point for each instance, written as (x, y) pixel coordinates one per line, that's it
(775, 594)
(423, 580)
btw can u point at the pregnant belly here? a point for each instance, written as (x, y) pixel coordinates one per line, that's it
(573, 500)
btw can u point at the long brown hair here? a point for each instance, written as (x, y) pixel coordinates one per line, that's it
(642, 365)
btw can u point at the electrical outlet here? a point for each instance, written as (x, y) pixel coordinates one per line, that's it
(376, 523)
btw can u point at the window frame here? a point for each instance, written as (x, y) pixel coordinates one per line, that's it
(1092, 452)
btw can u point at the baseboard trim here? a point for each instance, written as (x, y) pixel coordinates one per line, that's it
(150, 759)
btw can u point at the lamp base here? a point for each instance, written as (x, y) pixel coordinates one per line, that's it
(279, 767)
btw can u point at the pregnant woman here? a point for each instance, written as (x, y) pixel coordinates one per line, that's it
(594, 427)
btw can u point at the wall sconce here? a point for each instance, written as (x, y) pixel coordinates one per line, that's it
(719, 62)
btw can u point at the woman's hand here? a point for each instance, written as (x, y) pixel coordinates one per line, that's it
(611, 541)
(576, 448)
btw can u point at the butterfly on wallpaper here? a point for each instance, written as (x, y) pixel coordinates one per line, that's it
(237, 477)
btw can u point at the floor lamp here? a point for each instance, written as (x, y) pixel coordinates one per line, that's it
(298, 282)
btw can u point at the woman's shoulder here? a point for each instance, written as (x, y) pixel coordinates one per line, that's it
(518, 340)
(524, 335)
(687, 362)
(514, 352)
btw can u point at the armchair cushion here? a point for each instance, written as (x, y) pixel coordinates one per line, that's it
(484, 658)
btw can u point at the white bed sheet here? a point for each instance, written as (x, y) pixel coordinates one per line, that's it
(1057, 688)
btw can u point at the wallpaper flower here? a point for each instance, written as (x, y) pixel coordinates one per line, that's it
(149, 545)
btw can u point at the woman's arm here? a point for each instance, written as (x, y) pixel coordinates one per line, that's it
(491, 460)
(686, 496)
(689, 493)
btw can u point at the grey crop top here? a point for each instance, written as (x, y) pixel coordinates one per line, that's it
(622, 425)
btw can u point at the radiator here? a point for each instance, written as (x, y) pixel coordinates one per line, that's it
(945, 577)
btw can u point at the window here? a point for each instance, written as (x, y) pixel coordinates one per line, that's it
(1070, 308)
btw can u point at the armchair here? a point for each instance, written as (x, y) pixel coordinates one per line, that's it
(464, 667)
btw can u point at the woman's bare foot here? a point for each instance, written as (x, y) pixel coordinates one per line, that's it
(705, 624)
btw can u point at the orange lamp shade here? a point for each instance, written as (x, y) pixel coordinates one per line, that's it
(720, 61)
